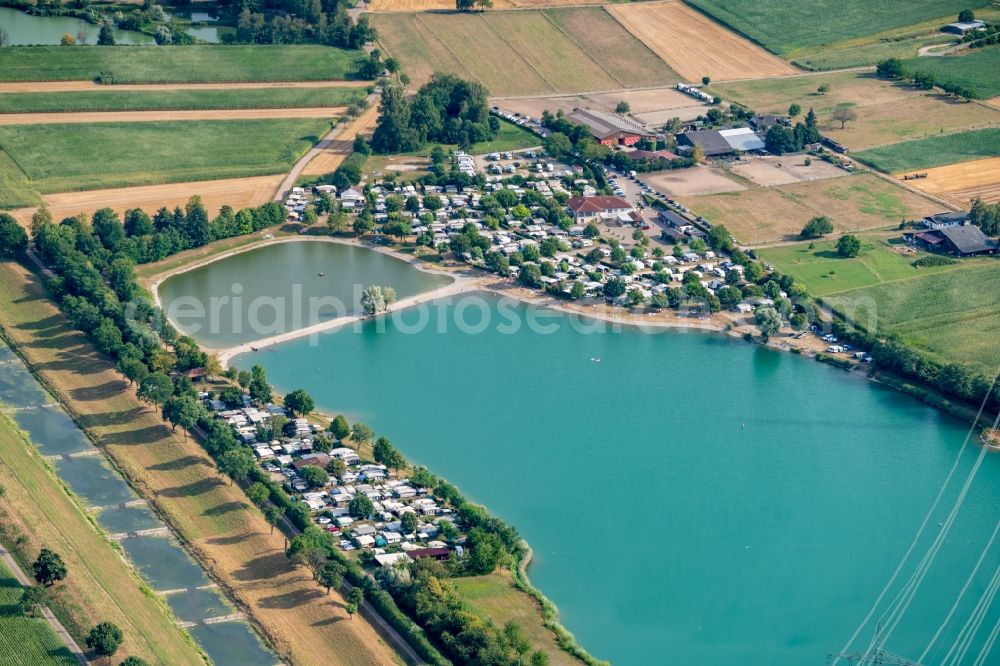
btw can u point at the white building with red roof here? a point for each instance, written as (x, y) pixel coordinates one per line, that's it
(585, 209)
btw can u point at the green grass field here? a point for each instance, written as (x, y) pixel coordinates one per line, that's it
(523, 52)
(16, 191)
(510, 137)
(70, 157)
(824, 272)
(784, 27)
(176, 100)
(978, 70)
(953, 315)
(933, 151)
(178, 64)
(26, 641)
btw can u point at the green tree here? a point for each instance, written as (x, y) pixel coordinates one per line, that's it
(361, 507)
(557, 144)
(331, 575)
(13, 237)
(155, 389)
(816, 227)
(614, 288)
(891, 68)
(299, 402)
(387, 454)
(106, 36)
(361, 433)
(705, 80)
(356, 596)
(966, 16)
(767, 320)
(794, 110)
(409, 522)
(577, 291)
(133, 661)
(622, 107)
(273, 516)
(236, 463)
(338, 427)
(258, 493)
(32, 599)
(260, 390)
(823, 89)
(315, 476)
(848, 246)
(336, 467)
(182, 411)
(105, 639)
(530, 276)
(376, 299)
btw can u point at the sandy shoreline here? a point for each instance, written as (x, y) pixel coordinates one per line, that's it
(461, 283)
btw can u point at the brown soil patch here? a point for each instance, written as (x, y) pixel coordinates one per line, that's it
(235, 192)
(228, 535)
(854, 203)
(994, 102)
(648, 104)
(694, 46)
(696, 180)
(153, 116)
(330, 157)
(77, 86)
(961, 183)
(770, 171)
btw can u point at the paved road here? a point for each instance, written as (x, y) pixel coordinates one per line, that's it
(57, 626)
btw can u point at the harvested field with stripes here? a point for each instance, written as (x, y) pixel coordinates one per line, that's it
(523, 52)
(444, 5)
(695, 46)
(963, 182)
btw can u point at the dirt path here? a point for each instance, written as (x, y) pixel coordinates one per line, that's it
(332, 149)
(151, 116)
(57, 626)
(90, 86)
(235, 192)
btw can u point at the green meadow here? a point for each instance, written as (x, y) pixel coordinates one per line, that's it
(69, 157)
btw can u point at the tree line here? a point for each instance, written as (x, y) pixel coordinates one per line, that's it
(297, 21)
(446, 109)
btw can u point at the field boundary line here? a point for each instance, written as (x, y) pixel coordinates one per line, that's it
(545, 12)
(519, 54)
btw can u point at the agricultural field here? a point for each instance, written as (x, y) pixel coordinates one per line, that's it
(884, 260)
(934, 151)
(954, 315)
(784, 27)
(853, 203)
(102, 585)
(235, 192)
(628, 61)
(177, 100)
(221, 527)
(522, 52)
(977, 70)
(962, 183)
(888, 112)
(178, 64)
(68, 157)
(16, 190)
(694, 45)
(26, 641)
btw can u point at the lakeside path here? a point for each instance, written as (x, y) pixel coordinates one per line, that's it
(57, 626)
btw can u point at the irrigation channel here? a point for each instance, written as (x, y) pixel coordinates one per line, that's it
(148, 543)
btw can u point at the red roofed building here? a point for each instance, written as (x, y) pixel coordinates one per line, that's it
(587, 208)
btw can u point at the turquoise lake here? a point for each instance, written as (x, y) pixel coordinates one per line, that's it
(691, 499)
(278, 288)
